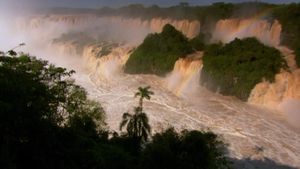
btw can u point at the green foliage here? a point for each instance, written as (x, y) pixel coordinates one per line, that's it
(159, 52)
(189, 150)
(42, 113)
(234, 69)
(199, 42)
(137, 125)
(289, 16)
(143, 93)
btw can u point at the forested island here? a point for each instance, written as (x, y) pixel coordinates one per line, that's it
(231, 69)
(235, 68)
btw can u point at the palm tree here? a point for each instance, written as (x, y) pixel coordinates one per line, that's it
(11, 52)
(143, 92)
(137, 124)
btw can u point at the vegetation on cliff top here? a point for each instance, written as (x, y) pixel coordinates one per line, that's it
(235, 68)
(159, 52)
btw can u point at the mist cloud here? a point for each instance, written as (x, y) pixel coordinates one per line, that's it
(291, 108)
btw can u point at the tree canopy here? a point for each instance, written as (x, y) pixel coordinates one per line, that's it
(183, 150)
(143, 93)
(39, 104)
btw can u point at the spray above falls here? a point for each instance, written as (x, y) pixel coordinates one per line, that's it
(114, 27)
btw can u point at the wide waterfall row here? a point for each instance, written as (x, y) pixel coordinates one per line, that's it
(186, 71)
(189, 28)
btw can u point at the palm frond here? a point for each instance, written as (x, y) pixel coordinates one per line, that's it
(122, 124)
(126, 115)
(125, 119)
(144, 134)
(137, 94)
(130, 128)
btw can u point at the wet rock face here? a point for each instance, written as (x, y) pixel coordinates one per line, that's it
(286, 86)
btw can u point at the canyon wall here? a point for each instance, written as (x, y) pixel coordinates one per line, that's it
(285, 87)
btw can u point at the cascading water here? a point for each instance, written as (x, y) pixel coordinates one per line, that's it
(185, 75)
(108, 67)
(229, 29)
(178, 101)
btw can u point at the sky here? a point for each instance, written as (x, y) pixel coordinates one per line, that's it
(112, 3)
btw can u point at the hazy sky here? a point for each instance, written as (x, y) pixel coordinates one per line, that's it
(113, 3)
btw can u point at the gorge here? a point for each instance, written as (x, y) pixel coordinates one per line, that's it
(98, 47)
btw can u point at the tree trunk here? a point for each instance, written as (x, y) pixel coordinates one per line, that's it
(141, 103)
